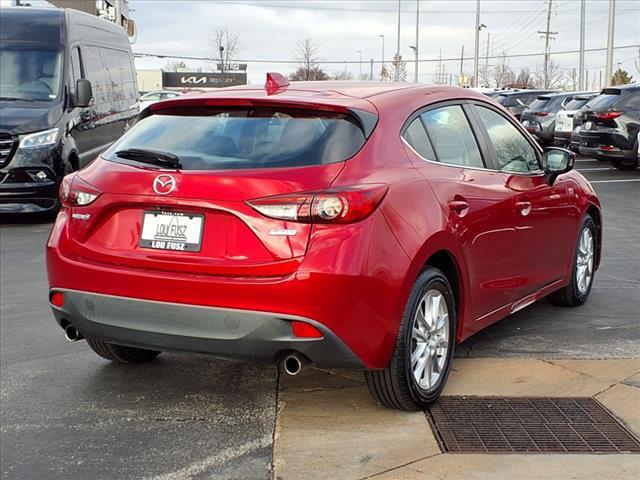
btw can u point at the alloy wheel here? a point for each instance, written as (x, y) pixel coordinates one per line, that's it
(430, 340)
(584, 261)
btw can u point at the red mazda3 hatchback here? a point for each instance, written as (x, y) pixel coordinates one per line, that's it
(348, 225)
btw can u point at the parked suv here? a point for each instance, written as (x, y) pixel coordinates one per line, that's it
(540, 118)
(349, 225)
(568, 121)
(611, 125)
(517, 101)
(67, 91)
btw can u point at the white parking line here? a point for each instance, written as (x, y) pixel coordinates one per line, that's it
(616, 181)
(597, 169)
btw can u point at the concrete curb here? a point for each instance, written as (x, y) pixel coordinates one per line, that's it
(328, 426)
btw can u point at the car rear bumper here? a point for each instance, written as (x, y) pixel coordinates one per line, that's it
(226, 333)
(353, 286)
(606, 143)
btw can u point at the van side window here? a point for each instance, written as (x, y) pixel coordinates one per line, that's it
(452, 137)
(416, 136)
(96, 73)
(121, 81)
(77, 72)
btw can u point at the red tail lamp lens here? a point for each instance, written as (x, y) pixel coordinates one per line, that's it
(57, 299)
(305, 330)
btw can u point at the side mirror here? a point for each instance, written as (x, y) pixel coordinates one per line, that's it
(84, 93)
(556, 161)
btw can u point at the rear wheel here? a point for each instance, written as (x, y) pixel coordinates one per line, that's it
(421, 359)
(625, 164)
(579, 288)
(120, 353)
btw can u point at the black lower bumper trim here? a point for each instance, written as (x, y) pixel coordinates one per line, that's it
(226, 333)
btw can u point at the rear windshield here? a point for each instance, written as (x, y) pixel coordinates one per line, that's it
(539, 103)
(605, 100)
(223, 139)
(576, 104)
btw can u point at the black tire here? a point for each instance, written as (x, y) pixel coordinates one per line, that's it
(120, 353)
(571, 296)
(395, 386)
(625, 165)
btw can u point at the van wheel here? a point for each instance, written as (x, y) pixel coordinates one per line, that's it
(120, 353)
(622, 165)
(583, 270)
(421, 359)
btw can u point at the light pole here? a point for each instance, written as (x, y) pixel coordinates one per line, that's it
(382, 66)
(477, 52)
(609, 65)
(415, 54)
(417, 39)
(360, 64)
(397, 59)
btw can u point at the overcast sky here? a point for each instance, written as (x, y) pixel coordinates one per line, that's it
(270, 29)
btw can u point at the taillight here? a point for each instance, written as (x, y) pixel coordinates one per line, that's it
(607, 115)
(336, 205)
(75, 192)
(541, 114)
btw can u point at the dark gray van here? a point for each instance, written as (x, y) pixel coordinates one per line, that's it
(67, 90)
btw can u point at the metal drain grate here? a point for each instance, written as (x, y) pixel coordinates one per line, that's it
(528, 425)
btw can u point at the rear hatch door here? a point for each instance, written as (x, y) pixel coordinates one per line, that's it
(195, 218)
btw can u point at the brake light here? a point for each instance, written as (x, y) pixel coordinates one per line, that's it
(607, 115)
(75, 192)
(541, 114)
(335, 206)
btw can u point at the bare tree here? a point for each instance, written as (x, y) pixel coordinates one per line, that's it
(174, 66)
(400, 66)
(502, 73)
(226, 46)
(308, 62)
(572, 78)
(385, 73)
(636, 60)
(553, 78)
(524, 78)
(342, 75)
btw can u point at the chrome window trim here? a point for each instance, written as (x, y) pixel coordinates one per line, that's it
(533, 173)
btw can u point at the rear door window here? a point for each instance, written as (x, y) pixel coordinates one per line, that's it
(453, 140)
(416, 136)
(216, 139)
(539, 103)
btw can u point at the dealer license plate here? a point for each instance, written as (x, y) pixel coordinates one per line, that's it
(172, 231)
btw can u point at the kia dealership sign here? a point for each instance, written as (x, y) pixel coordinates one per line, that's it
(202, 79)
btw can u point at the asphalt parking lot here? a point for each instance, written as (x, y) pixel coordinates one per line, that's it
(67, 414)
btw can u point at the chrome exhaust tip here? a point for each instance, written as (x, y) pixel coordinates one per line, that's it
(293, 363)
(72, 334)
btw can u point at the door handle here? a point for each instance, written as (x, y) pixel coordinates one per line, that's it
(460, 207)
(524, 207)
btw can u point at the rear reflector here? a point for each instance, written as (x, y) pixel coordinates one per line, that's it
(542, 114)
(305, 330)
(609, 148)
(334, 206)
(57, 299)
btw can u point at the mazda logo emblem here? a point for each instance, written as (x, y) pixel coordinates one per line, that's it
(164, 184)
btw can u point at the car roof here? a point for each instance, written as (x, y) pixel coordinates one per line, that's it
(368, 96)
(524, 92)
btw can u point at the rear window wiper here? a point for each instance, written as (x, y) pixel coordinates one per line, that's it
(155, 157)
